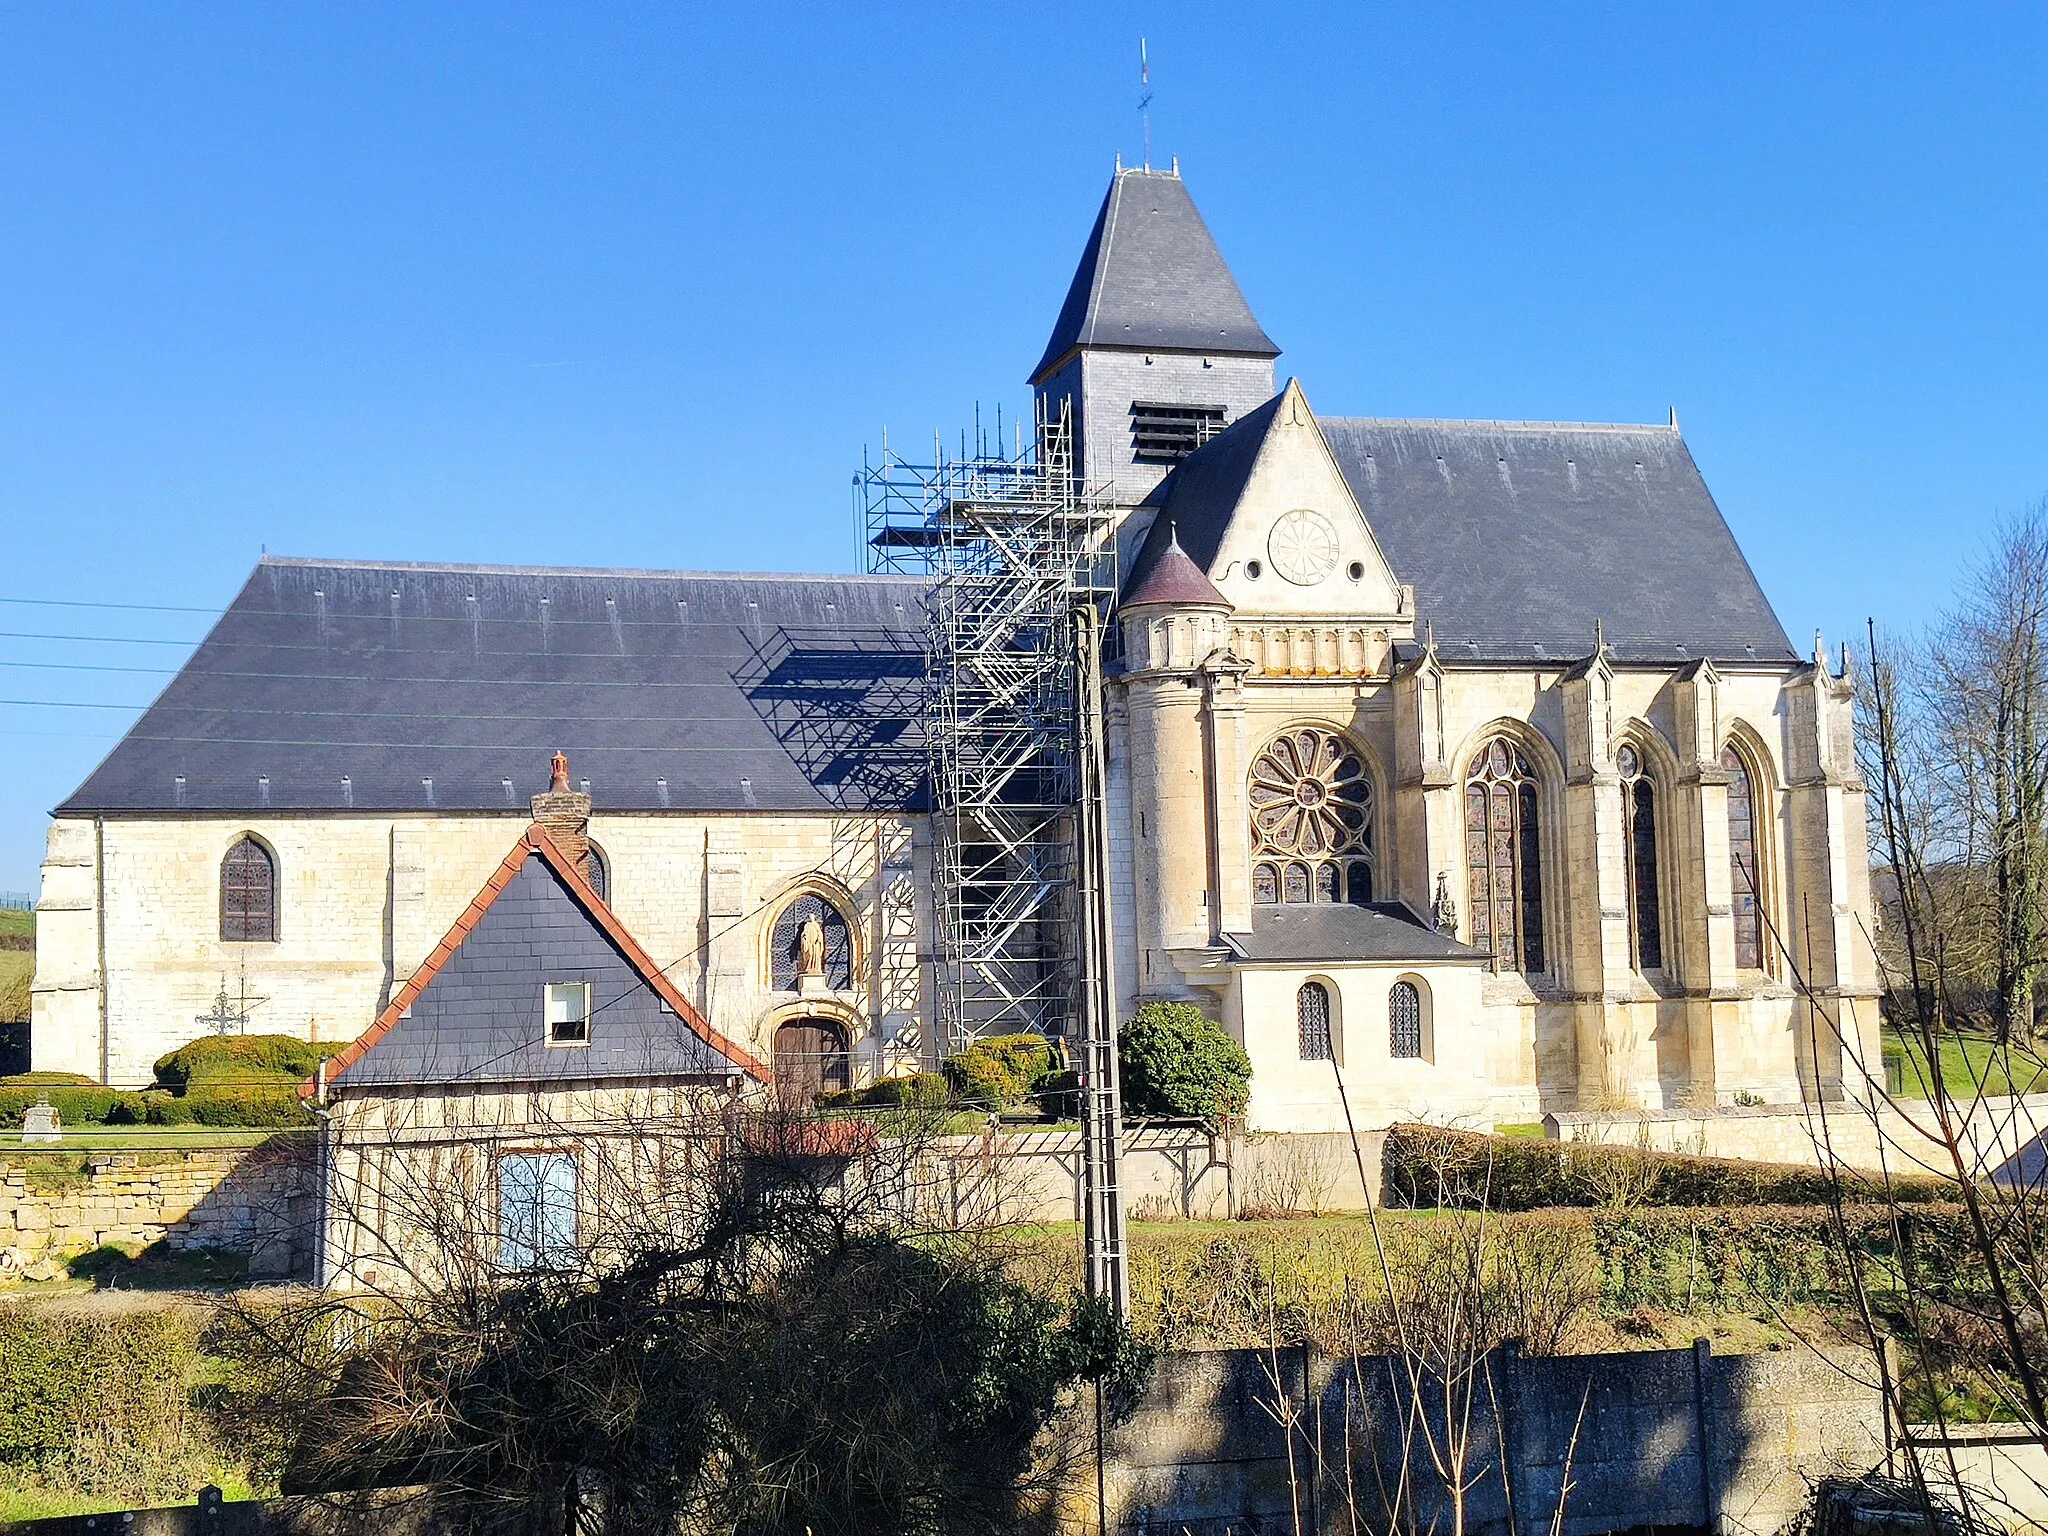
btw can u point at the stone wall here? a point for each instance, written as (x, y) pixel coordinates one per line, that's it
(1667, 1438)
(257, 1201)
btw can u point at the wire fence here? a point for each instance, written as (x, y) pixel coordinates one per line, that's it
(16, 901)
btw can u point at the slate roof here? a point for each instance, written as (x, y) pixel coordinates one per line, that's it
(1329, 933)
(1517, 536)
(333, 686)
(1151, 276)
(472, 1012)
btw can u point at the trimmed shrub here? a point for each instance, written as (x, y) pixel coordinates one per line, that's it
(1431, 1166)
(1002, 1071)
(922, 1090)
(239, 1057)
(78, 1101)
(1176, 1061)
(251, 1105)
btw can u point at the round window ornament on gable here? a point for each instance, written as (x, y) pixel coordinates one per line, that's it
(1303, 546)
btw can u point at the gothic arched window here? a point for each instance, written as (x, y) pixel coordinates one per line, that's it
(248, 894)
(788, 934)
(1742, 863)
(1404, 1020)
(1504, 856)
(1639, 837)
(1311, 801)
(1312, 1015)
(597, 870)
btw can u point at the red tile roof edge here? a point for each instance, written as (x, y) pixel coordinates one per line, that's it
(535, 840)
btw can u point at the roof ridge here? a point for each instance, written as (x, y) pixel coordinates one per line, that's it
(637, 573)
(1617, 427)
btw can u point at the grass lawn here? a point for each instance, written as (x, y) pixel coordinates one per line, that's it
(1968, 1063)
(17, 923)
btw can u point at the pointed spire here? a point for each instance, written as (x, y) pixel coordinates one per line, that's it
(1152, 277)
(1173, 580)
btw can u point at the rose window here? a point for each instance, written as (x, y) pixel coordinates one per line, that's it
(1311, 802)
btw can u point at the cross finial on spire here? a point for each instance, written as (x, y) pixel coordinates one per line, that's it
(1599, 637)
(1173, 534)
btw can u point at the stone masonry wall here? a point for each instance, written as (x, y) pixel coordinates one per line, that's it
(257, 1201)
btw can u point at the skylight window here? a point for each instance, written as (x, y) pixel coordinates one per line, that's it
(1166, 434)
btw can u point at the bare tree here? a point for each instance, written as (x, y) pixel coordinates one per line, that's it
(764, 1320)
(1975, 722)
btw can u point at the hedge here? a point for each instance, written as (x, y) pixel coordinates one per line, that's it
(239, 1057)
(1430, 1166)
(1177, 1061)
(77, 1101)
(1001, 1072)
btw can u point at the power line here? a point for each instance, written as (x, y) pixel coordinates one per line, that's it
(11, 634)
(81, 666)
(65, 704)
(63, 602)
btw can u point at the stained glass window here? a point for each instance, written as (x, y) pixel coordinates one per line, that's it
(1504, 857)
(788, 936)
(1311, 800)
(1265, 884)
(1404, 1020)
(1639, 819)
(1312, 1013)
(1742, 866)
(598, 871)
(248, 894)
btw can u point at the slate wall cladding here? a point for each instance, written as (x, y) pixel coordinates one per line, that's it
(479, 1019)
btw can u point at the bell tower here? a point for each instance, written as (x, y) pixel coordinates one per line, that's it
(1155, 349)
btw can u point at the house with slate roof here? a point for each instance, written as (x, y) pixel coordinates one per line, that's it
(453, 1101)
(1468, 756)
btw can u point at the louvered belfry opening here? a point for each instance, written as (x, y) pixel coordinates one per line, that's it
(1166, 434)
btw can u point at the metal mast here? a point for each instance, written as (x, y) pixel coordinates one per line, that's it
(1013, 542)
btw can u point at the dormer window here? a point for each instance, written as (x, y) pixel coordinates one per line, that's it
(1166, 434)
(565, 1007)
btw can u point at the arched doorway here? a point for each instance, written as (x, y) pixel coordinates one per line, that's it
(810, 1059)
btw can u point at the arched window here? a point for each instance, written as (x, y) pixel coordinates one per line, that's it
(1742, 865)
(248, 894)
(1504, 856)
(597, 870)
(1404, 1020)
(1312, 1015)
(1639, 837)
(785, 942)
(1311, 802)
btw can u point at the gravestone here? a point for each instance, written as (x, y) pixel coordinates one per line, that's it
(40, 1123)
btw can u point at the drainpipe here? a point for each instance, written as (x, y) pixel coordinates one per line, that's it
(99, 910)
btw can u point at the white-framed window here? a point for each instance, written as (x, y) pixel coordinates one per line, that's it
(565, 1012)
(536, 1210)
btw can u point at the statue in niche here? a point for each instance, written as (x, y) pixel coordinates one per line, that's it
(810, 949)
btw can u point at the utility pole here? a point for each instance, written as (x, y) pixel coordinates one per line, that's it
(1101, 1106)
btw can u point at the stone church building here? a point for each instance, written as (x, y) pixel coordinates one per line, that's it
(1467, 754)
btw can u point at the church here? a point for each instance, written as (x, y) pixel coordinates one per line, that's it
(1468, 756)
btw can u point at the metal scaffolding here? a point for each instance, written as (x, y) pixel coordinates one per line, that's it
(1012, 542)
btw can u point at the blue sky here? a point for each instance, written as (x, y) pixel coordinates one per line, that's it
(634, 284)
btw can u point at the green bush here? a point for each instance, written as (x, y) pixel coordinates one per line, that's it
(67, 1378)
(921, 1090)
(76, 1102)
(1175, 1061)
(239, 1058)
(1002, 1071)
(1430, 1166)
(252, 1105)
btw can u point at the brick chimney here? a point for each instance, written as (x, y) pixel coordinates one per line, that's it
(565, 815)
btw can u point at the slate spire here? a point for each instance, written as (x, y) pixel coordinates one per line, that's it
(1151, 277)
